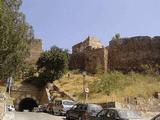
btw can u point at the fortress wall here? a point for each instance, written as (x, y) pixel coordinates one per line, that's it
(124, 54)
(77, 48)
(89, 55)
(91, 61)
(128, 54)
(96, 60)
(77, 61)
(91, 42)
(35, 51)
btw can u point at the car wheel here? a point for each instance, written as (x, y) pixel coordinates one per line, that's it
(58, 113)
(53, 113)
(67, 117)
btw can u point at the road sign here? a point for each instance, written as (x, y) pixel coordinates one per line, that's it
(87, 90)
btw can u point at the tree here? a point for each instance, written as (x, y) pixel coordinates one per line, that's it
(51, 65)
(15, 38)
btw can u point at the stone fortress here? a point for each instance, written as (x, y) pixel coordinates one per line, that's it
(89, 55)
(124, 54)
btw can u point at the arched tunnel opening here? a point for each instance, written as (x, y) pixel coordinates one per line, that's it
(27, 104)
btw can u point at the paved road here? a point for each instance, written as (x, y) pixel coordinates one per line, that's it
(34, 116)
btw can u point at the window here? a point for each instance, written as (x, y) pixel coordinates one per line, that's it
(74, 107)
(102, 113)
(82, 107)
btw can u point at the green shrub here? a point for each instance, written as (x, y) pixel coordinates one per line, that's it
(144, 84)
(110, 82)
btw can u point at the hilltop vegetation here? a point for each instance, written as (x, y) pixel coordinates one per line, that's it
(111, 86)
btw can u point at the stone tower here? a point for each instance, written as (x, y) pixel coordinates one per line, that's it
(35, 51)
(89, 55)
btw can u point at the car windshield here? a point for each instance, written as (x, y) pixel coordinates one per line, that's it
(68, 102)
(128, 114)
(95, 108)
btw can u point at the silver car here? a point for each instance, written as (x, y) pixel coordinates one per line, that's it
(157, 117)
(60, 107)
(118, 114)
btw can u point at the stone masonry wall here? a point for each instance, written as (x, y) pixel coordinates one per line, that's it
(88, 44)
(128, 54)
(96, 60)
(35, 51)
(89, 55)
(77, 61)
(124, 54)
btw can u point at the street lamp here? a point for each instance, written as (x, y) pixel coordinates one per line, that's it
(9, 84)
(84, 80)
(85, 87)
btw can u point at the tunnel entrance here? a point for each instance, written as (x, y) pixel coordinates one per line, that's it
(27, 104)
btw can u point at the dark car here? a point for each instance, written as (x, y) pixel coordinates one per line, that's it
(83, 111)
(118, 114)
(157, 117)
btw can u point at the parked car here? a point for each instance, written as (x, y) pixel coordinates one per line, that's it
(35, 109)
(60, 107)
(82, 111)
(157, 117)
(43, 108)
(118, 114)
(10, 108)
(25, 110)
(49, 108)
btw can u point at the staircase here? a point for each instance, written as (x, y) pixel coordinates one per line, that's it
(52, 88)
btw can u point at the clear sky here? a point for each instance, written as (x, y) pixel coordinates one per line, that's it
(67, 22)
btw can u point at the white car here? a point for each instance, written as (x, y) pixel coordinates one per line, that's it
(10, 108)
(25, 110)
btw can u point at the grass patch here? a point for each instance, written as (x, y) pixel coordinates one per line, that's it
(2, 89)
(109, 82)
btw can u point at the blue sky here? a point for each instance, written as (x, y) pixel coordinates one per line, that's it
(67, 22)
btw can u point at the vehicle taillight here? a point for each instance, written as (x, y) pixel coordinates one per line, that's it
(85, 116)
